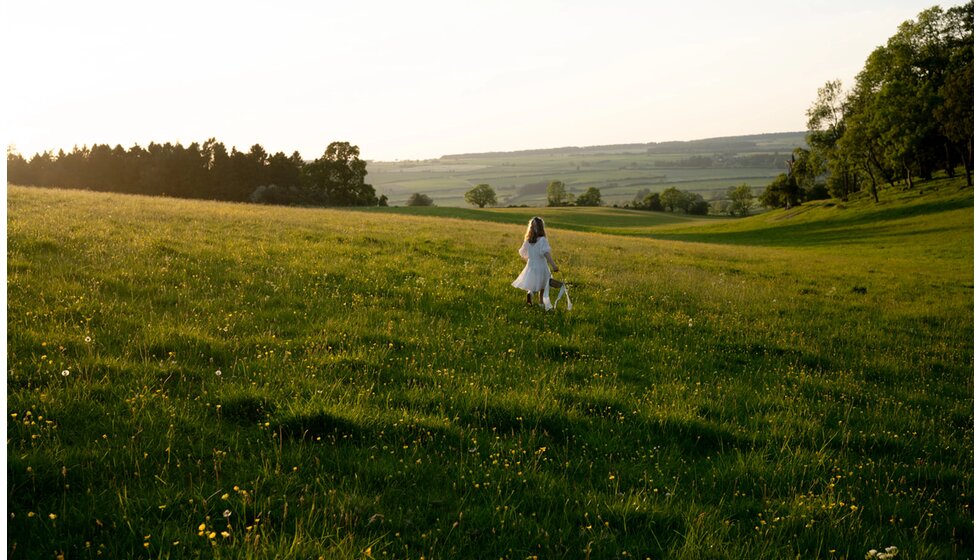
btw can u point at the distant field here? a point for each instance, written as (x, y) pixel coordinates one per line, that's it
(618, 171)
(196, 379)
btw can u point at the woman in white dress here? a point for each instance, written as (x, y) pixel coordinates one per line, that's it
(536, 276)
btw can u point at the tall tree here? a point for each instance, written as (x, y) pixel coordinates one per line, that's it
(672, 199)
(954, 112)
(557, 195)
(337, 178)
(18, 170)
(910, 113)
(741, 197)
(826, 125)
(284, 171)
(782, 192)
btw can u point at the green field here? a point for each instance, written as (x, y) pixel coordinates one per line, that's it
(617, 171)
(199, 379)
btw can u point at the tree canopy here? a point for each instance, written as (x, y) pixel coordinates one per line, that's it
(741, 197)
(909, 115)
(205, 170)
(481, 195)
(337, 178)
(557, 195)
(591, 197)
(671, 199)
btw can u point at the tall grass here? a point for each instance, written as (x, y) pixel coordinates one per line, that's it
(202, 379)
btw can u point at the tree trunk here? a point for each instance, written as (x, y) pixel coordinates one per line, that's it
(966, 154)
(966, 167)
(950, 165)
(871, 175)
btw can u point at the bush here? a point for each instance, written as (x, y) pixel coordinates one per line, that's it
(419, 199)
(591, 197)
(699, 207)
(274, 194)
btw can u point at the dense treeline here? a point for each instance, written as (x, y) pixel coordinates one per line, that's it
(207, 171)
(671, 199)
(909, 115)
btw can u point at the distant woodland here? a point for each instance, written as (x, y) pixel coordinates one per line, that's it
(205, 171)
(909, 116)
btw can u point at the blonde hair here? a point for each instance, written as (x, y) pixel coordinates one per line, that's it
(535, 229)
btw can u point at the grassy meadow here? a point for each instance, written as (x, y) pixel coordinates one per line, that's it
(196, 379)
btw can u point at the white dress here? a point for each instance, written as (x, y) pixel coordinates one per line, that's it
(536, 273)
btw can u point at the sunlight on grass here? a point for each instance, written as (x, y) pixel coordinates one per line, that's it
(258, 382)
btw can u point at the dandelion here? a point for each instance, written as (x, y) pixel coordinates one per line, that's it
(65, 373)
(218, 373)
(88, 339)
(52, 516)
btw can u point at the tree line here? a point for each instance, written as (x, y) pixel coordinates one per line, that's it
(727, 161)
(558, 195)
(737, 201)
(205, 170)
(909, 115)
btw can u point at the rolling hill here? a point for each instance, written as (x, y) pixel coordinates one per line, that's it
(706, 166)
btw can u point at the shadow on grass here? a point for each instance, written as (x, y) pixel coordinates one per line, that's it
(332, 428)
(845, 229)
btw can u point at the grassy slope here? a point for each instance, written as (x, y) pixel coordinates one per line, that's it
(381, 387)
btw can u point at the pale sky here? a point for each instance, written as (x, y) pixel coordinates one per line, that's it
(414, 80)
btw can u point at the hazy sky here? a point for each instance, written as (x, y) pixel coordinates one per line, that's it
(411, 80)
